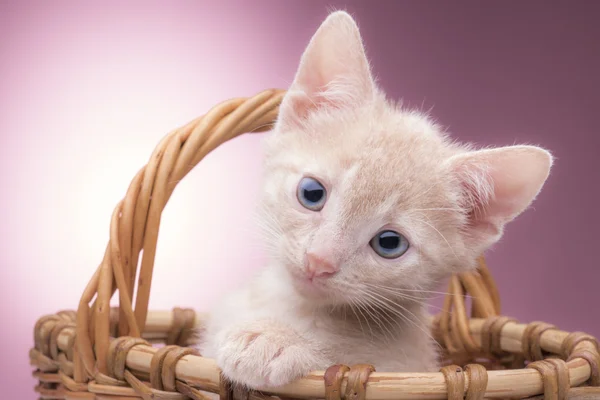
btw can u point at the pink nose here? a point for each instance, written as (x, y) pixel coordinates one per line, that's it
(319, 266)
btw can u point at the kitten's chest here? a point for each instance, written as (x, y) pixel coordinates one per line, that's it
(403, 352)
(398, 357)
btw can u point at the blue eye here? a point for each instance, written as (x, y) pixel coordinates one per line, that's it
(389, 244)
(311, 194)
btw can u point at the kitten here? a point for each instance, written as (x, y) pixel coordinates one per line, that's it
(366, 208)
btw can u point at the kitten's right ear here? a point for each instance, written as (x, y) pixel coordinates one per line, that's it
(498, 185)
(333, 72)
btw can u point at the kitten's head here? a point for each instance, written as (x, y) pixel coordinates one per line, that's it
(363, 200)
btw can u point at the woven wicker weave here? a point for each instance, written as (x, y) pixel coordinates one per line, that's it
(103, 353)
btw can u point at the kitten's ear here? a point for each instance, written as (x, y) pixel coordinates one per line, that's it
(498, 184)
(333, 72)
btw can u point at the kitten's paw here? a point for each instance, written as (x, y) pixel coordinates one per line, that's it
(265, 354)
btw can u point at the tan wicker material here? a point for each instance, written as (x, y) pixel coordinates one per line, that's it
(103, 353)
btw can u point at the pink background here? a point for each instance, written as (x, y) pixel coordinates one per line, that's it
(87, 91)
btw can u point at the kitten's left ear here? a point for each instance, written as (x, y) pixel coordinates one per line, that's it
(498, 185)
(333, 72)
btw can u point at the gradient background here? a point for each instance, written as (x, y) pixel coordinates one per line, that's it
(88, 89)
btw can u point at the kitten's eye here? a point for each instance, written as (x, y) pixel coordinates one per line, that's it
(389, 244)
(311, 194)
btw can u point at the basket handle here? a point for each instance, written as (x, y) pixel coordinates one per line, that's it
(136, 221)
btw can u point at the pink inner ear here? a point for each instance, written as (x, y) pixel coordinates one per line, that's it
(333, 71)
(499, 185)
(297, 105)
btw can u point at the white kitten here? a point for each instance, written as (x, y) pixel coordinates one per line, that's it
(366, 208)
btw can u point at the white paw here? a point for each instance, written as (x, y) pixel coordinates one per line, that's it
(264, 354)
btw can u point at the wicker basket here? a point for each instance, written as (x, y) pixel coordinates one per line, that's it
(103, 353)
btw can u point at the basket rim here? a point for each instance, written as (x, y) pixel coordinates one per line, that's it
(201, 372)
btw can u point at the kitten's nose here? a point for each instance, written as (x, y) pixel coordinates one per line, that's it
(319, 266)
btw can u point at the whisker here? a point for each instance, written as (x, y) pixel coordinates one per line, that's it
(442, 236)
(408, 290)
(397, 292)
(375, 316)
(435, 209)
(352, 305)
(426, 191)
(359, 308)
(389, 318)
(419, 302)
(385, 302)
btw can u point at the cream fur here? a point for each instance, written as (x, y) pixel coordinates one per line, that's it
(384, 168)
